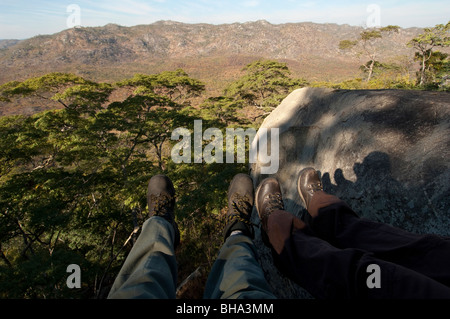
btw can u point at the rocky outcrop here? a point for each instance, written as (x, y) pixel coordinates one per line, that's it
(385, 152)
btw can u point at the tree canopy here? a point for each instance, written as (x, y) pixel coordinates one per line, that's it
(73, 180)
(264, 84)
(425, 43)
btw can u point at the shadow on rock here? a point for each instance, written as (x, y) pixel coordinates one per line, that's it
(384, 152)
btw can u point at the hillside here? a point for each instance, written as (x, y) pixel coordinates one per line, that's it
(212, 53)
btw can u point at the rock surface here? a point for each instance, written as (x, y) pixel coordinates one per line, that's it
(385, 152)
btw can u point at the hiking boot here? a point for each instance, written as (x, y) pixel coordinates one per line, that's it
(268, 199)
(240, 205)
(308, 184)
(161, 201)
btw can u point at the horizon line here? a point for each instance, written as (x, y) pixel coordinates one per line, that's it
(201, 23)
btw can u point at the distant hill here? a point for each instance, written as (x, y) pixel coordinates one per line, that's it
(206, 51)
(4, 43)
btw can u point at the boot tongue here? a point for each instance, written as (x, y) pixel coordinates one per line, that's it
(314, 187)
(163, 204)
(241, 205)
(274, 202)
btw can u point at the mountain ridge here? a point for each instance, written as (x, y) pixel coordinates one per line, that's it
(164, 44)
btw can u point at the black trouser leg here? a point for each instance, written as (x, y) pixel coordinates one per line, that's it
(330, 272)
(341, 227)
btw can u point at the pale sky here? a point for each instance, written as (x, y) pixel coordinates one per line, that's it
(20, 19)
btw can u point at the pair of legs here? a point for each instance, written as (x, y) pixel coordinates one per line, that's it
(332, 254)
(336, 254)
(150, 270)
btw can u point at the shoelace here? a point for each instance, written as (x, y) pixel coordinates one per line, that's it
(315, 187)
(241, 208)
(274, 202)
(162, 203)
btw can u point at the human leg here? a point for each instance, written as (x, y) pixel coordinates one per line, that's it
(333, 220)
(150, 269)
(236, 273)
(326, 271)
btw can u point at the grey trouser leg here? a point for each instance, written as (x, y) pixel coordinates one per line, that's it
(236, 274)
(150, 270)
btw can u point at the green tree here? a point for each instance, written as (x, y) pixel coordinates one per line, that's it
(436, 67)
(264, 85)
(367, 45)
(222, 108)
(425, 43)
(175, 85)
